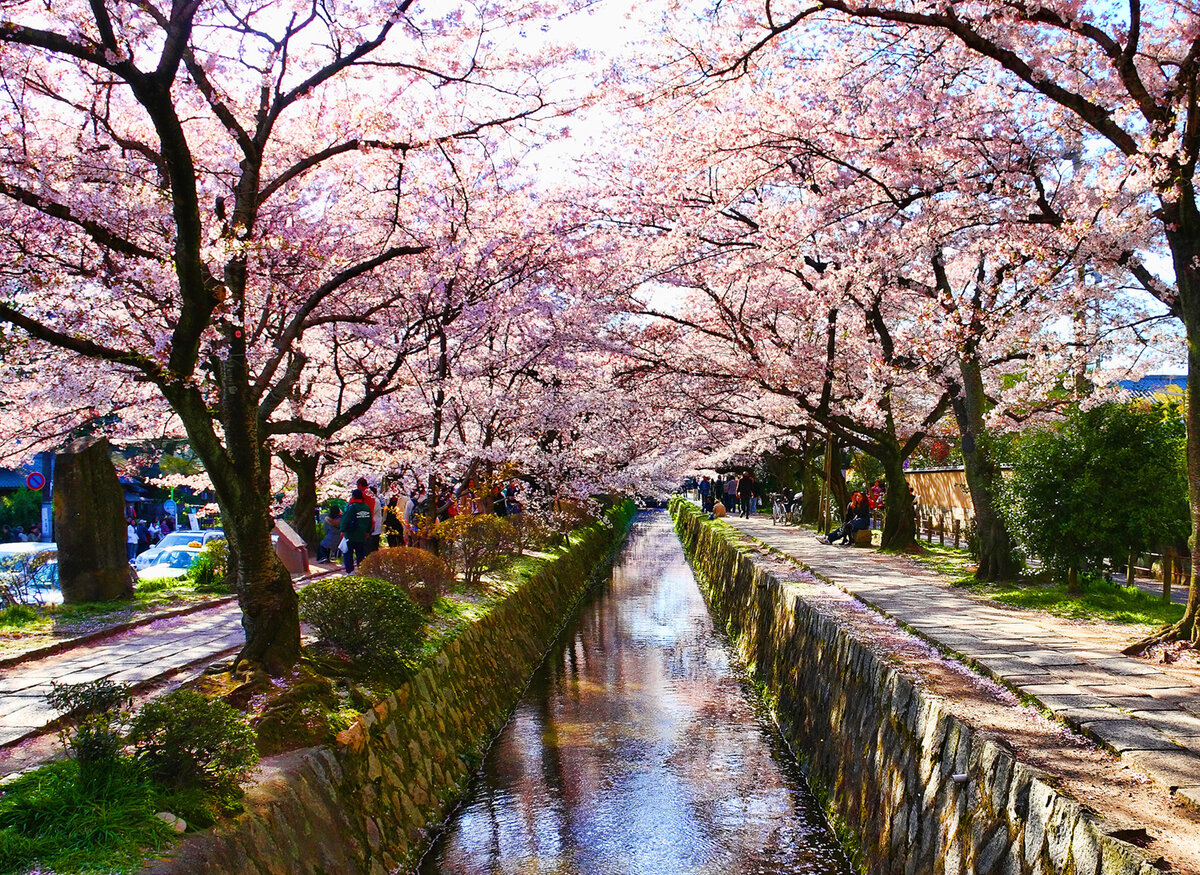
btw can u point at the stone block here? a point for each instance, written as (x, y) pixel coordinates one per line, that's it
(992, 853)
(1119, 858)
(1037, 820)
(1085, 847)
(1060, 828)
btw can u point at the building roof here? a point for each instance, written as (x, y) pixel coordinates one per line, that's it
(1158, 387)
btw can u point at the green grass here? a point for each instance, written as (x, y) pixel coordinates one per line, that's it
(50, 819)
(952, 562)
(150, 595)
(18, 616)
(1100, 601)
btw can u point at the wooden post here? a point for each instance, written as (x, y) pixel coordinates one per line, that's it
(1168, 572)
(942, 529)
(957, 531)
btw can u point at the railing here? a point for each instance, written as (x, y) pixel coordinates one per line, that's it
(940, 526)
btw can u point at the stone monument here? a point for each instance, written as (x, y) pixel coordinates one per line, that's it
(89, 524)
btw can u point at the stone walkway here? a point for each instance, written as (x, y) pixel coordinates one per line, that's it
(137, 657)
(140, 657)
(1149, 717)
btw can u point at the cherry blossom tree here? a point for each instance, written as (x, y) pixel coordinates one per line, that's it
(197, 194)
(1118, 81)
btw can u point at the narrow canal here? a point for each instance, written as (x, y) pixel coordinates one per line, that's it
(637, 749)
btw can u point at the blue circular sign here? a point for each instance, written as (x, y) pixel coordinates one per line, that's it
(169, 506)
(35, 481)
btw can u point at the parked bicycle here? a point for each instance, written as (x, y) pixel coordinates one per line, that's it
(786, 510)
(778, 508)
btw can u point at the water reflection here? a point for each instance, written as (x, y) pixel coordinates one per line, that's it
(636, 750)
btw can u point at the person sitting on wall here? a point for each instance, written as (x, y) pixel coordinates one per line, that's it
(858, 517)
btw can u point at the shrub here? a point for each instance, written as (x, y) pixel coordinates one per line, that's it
(419, 573)
(18, 615)
(210, 571)
(190, 742)
(94, 740)
(475, 542)
(372, 620)
(1107, 482)
(528, 529)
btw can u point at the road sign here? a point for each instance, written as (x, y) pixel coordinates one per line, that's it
(35, 481)
(169, 507)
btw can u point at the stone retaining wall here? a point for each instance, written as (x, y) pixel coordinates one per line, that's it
(368, 804)
(912, 788)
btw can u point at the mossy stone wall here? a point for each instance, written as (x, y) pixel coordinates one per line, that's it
(368, 803)
(913, 789)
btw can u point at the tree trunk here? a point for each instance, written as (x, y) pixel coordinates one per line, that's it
(1183, 236)
(270, 609)
(983, 475)
(1073, 587)
(89, 523)
(240, 471)
(899, 517)
(1182, 222)
(304, 513)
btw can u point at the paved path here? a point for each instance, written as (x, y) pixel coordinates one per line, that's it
(136, 657)
(139, 657)
(1147, 716)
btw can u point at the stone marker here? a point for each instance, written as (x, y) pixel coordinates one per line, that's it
(89, 525)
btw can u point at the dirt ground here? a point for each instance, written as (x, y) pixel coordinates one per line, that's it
(1124, 798)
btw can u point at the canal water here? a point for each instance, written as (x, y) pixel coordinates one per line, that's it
(638, 749)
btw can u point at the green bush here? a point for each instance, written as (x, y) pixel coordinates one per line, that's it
(15, 616)
(1107, 482)
(373, 621)
(94, 740)
(210, 571)
(190, 742)
(419, 573)
(475, 542)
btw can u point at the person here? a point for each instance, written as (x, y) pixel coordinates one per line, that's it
(393, 525)
(368, 497)
(511, 492)
(858, 517)
(745, 492)
(356, 528)
(731, 492)
(412, 511)
(875, 495)
(706, 494)
(376, 504)
(333, 534)
(131, 540)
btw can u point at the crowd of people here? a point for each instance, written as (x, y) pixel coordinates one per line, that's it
(392, 516)
(743, 493)
(141, 534)
(735, 491)
(9, 535)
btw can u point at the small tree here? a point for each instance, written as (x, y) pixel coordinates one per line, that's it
(1109, 482)
(475, 543)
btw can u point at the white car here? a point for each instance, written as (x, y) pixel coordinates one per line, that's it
(172, 562)
(179, 538)
(17, 568)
